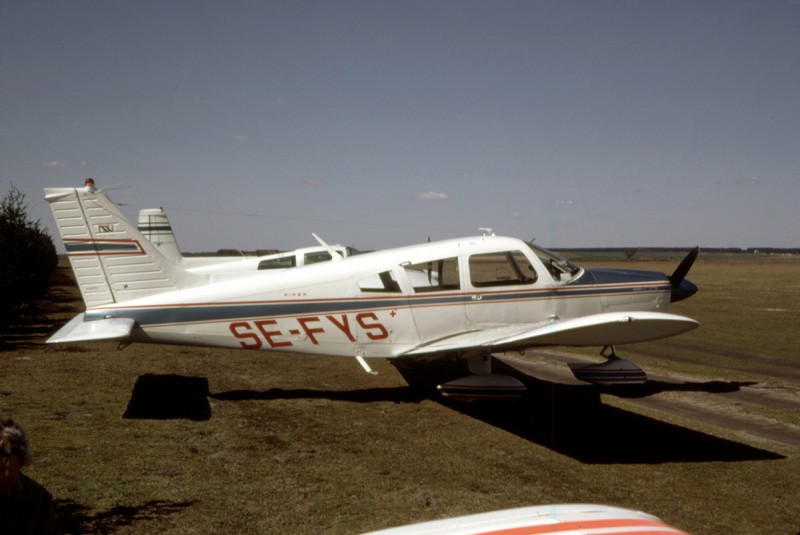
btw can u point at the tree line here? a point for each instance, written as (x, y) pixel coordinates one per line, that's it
(27, 259)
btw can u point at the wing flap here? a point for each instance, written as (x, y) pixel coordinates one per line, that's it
(486, 336)
(610, 328)
(78, 330)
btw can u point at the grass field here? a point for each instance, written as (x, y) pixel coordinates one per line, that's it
(160, 439)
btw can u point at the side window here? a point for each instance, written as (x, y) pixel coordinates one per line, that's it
(501, 269)
(319, 256)
(434, 276)
(382, 282)
(283, 262)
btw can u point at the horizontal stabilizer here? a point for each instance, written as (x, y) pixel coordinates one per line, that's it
(78, 330)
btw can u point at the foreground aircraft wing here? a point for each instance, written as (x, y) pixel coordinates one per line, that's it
(609, 328)
(543, 520)
(78, 330)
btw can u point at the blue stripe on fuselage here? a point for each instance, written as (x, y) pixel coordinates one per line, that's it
(211, 312)
(171, 314)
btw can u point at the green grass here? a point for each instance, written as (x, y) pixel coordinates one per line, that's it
(314, 445)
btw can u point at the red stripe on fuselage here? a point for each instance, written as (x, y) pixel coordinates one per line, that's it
(648, 526)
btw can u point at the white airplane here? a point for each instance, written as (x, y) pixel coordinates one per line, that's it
(543, 520)
(155, 226)
(467, 297)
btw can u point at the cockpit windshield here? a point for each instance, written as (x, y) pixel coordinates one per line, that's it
(559, 267)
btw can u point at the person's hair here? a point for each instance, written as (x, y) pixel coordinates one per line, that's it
(14, 441)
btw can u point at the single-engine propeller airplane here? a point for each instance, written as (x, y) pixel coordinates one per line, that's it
(466, 298)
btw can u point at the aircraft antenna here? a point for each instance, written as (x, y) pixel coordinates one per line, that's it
(335, 255)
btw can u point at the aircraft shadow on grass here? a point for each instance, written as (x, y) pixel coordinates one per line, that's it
(655, 387)
(568, 419)
(169, 397)
(572, 420)
(76, 518)
(400, 394)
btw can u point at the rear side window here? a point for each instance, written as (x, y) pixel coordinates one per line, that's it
(434, 276)
(284, 262)
(501, 269)
(319, 256)
(382, 282)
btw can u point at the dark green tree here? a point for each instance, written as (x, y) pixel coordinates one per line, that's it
(27, 258)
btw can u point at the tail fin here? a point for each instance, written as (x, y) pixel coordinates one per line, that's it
(111, 259)
(154, 225)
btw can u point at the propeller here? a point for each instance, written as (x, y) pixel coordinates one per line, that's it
(682, 288)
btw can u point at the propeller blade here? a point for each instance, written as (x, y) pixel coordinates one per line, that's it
(682, 288)
(683, 268)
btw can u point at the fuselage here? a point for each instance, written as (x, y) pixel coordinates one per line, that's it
(384, 303)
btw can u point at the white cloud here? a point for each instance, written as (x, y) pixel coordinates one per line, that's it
(432, 196)
(241, 138)
(55, 164)
(566, 202)
(515, 215)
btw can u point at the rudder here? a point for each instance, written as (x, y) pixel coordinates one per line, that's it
(111, 259)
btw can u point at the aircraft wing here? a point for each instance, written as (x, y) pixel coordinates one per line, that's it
(608, 328)
(78, 330)
(543, 520)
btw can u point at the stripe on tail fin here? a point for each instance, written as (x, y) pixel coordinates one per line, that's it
(155, 226)
(111, 259)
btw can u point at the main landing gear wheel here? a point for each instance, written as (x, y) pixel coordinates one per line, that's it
(614, 371)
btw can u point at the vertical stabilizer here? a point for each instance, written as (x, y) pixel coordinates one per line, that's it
(111, 259)
(155, 226)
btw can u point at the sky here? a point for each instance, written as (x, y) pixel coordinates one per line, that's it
(603, 123)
